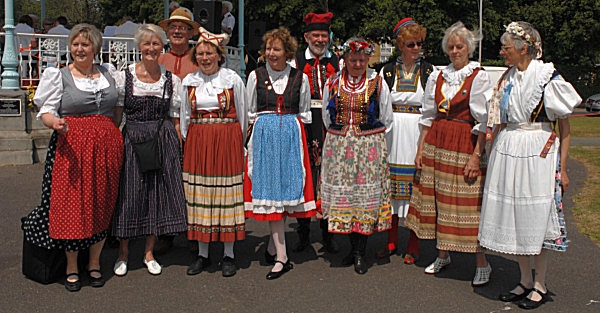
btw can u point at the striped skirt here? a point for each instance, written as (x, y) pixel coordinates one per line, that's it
(355, 189)
(213, 165)
(443, 205)
(151, 203)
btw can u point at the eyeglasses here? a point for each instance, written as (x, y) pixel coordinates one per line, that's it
(505, 48)
(413, 44)
(180, 28)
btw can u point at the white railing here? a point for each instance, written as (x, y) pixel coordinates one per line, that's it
(52, 51)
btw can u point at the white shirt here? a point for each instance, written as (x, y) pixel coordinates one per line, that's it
(49, 92)
(141, 88)
(404, 97)
(207, 89)
(62, 43)
(480, 93)
(228, 21)
(386, 114)
(23, 40)
(279, 81)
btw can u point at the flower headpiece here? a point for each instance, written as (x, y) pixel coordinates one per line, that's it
(357, 46)
(516, 29)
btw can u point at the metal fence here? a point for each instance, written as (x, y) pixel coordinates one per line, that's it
(53, 51)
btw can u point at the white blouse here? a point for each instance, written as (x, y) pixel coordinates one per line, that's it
(49, 92)
(406, 98)
(480, 93)
(279, 81)
(560, 98)
(207, 89)
(141, 88)
(386, 115)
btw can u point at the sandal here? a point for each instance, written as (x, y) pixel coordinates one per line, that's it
(72, 286)
(409, 259)
(96, 282)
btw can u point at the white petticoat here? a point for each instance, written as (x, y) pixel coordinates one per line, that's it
(518, 210)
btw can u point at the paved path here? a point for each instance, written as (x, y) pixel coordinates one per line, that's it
(316, 284)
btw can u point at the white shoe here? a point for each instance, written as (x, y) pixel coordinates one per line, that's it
(153, 267)
(120, 268)
(482, 275)
(436, 266)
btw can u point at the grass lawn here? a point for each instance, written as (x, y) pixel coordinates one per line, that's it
(587, 203)
(585, 126)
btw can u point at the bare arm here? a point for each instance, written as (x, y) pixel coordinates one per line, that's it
(565, 141)
(424, 132)
(118, 116)
(472, 170)
(53, 122)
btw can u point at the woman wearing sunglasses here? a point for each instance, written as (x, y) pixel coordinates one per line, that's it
(406, 78)
(446, 200)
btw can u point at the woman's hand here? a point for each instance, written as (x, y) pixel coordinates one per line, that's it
(564, 180)
(61, 126)
(418, 163)
(471, 170)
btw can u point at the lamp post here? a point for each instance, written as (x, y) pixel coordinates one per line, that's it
(10, 77)
(241, 39)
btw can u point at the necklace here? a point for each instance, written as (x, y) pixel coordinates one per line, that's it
(408, 73)
(89, 75)
(147, 75)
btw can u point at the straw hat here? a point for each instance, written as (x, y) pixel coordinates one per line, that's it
(180, 15)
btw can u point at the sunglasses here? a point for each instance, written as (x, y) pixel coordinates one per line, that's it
(413, 44)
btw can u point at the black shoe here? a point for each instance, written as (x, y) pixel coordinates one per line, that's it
(287, 266)
(228, 267)
(529, 304)
(348, 260)
(385, 253)
(163, 245)
(330, 245)
(72, 286)
(360, 264)
(302, 243)
(95, 282)
(198, 265)
(511, 297)
(269, 259)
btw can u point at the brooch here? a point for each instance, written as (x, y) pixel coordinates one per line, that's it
(388, 74)
(464, 92)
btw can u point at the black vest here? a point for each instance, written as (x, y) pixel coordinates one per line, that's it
(389, 71)
(301, 63)
(266, 98)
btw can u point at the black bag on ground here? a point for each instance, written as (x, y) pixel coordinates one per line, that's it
(42, 265)
(146, 152)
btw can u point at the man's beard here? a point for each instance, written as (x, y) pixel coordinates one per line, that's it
(316, 49)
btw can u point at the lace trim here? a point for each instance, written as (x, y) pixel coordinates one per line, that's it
(148, 86)
(454, 77)
(542, 79)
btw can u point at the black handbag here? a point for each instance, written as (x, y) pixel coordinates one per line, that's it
(42, 265)
(146, 152)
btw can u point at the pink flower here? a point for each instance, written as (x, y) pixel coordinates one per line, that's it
(349, 153)
(329, 152)
(558, 241)
(372, 154)
(360, 178)
(558, 176)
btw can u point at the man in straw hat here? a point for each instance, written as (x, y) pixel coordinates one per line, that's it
(318, 63)
(180, 28)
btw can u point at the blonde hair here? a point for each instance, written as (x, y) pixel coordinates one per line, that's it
(89, 32)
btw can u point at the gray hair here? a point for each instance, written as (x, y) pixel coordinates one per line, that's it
(89, 32)
(173, 5)
(149, 30)
(228, 5)
(534, 51)
(458, 29)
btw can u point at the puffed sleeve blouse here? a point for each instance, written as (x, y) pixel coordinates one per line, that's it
(208, 87)
(481, 92)
(49, 93)
(279, 82)
(386, 114)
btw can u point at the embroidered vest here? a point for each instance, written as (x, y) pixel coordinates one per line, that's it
(458, 106)
(226, 105)
(326, 68)
(267, 100)
(424, 70)
(347, 109)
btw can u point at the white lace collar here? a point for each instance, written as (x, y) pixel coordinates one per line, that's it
(223, 79)
(454, 77)
(533, 81)
(149, 86)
